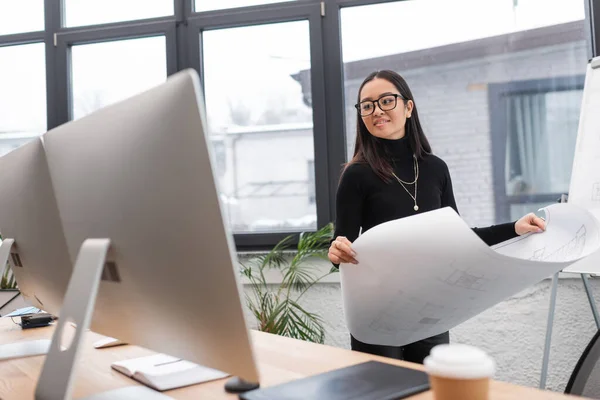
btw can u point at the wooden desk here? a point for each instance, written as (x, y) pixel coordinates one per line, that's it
(280, 359)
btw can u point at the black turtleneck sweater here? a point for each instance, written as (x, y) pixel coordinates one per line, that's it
(364, 200)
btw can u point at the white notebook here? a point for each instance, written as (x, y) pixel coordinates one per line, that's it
(163, 372)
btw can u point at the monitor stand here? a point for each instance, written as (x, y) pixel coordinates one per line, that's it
(21, 349)
(56, 378)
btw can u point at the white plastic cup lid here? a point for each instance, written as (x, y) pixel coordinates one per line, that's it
(459, 361)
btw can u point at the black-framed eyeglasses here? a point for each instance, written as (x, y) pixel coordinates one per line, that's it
(386, 103)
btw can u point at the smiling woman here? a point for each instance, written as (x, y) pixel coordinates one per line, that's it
(394, 174)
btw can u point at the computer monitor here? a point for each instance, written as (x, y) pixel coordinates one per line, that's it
(29, 215)
(139, 173)
(38, 256)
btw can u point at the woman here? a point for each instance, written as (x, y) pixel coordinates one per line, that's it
(393, 174)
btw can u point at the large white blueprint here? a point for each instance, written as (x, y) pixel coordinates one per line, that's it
(423, 275)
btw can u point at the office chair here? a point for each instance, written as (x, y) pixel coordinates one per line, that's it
(585, 379)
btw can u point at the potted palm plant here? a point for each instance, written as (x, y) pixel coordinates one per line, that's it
(8, 281)
(8, 285)
(277, 308)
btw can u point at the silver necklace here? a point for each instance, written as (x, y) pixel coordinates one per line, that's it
(416, 170)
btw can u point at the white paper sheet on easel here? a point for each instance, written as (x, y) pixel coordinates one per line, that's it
(421, 276)
(584, 188)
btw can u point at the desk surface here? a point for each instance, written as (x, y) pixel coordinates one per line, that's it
(280, 360)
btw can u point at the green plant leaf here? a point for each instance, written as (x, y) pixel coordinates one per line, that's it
(300, 277)
(275, 319)
(275, 308)
(309, 326)
(8, 280)
(276, 257)
(246, 271)
(300, 274)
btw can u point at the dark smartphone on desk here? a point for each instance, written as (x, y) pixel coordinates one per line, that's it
(371, 380)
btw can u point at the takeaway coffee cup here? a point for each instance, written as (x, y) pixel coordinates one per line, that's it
(459, 371)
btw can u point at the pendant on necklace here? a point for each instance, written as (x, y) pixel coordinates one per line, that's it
(416, 207)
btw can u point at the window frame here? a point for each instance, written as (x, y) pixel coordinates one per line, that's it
(498, 109)
(16, 39)
(69, 37)
(592, 17)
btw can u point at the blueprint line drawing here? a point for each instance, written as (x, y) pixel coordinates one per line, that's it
(596, 191)
(395, 297)
(477, 279)
(384, 321)
(571, 249)
(568, 237)
(466, 280)
(425, 319)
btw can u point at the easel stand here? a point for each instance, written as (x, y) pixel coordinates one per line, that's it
(551, 309)
(19, 349)
(56, 379)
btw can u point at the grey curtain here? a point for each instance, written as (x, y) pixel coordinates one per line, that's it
(527, 155)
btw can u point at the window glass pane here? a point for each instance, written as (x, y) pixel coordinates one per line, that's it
(91, 12)
(104, 73)
(541, 141)
(22, 94)
(455, 70)
(18, 16)
(261, 125)
(208, 5)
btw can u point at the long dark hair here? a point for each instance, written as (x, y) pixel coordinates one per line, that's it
(368, 149)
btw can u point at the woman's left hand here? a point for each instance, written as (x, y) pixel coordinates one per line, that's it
(530, 223)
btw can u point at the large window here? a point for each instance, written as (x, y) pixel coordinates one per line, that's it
(263, 125)
(452, 71)
(495, 87)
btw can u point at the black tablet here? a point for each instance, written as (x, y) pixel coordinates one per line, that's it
(371, 380)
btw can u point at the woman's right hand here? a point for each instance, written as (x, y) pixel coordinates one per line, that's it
(341, 251)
